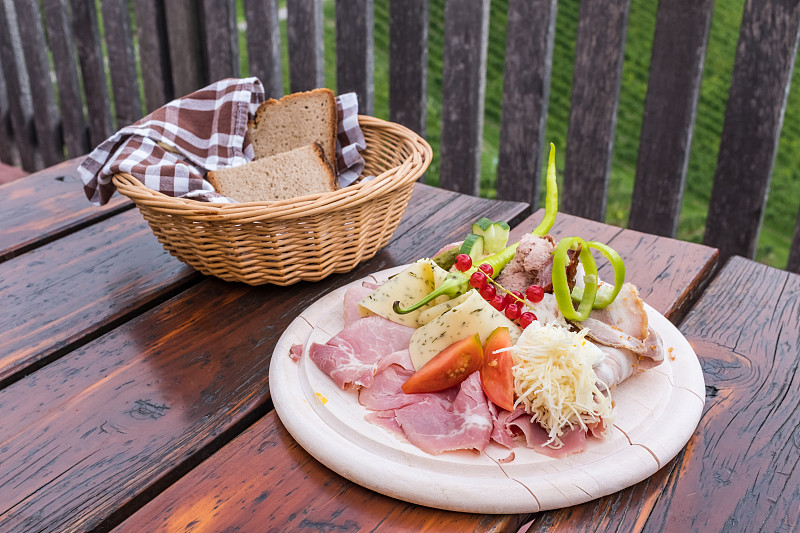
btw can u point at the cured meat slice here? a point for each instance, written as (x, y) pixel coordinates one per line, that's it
(434, 428)
(385, 394)
(354, 355)
(352, 296)
(519, 423)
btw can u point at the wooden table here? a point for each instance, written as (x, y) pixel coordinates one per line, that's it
(134, 391)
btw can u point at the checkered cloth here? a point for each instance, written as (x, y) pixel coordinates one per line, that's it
(171, 149)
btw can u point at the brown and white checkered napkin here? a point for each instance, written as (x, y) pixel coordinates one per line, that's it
(171, 149)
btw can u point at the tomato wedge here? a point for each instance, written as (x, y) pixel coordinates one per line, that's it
(448, 368)
(497, 379)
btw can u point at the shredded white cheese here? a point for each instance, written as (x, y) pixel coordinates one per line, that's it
(555, 382)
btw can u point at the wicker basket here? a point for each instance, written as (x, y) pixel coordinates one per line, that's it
(306, 238)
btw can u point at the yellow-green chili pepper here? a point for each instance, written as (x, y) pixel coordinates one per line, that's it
(551, 197)
(605, 294)
(561, 286)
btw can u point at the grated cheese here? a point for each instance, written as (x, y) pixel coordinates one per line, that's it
(555, 382)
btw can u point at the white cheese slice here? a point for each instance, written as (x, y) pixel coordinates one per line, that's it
(429, 314)
(473, 315)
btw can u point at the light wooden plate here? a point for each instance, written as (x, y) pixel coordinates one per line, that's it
(656, 413)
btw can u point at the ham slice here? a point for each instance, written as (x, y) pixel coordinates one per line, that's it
(352, 296)
(353, 357)
(519, 423)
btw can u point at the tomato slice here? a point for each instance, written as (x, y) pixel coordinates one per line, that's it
(497, 379)
(448, 368)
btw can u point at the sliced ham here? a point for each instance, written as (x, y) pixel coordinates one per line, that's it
(354, 355)
(352, 296)
(520, 423)
(385, 394)
(434, 428)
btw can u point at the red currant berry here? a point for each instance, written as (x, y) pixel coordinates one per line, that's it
(498, 302)
(477, 280)
(534, 293)
(463, 262)
(511, 297)
(513, 311)
(488, 291)
(487, 269)
(526, 319)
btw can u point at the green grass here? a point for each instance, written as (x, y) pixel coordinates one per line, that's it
(782, 204)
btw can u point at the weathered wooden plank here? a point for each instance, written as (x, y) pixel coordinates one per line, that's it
(746, 331)
(70, 98)
(151, 32)
(86, 32)
(8, 150)
(466, 32)
(306, 45)
(762, 75)
(408, 64)
(45, 206)
(264, 44)
(355, 51)
(220, 39)
(185, 47)
(599, 51)
(106, 273)
(794, 253)
(121, 61)
(47, 121)
(17, 88)
(526, 90)
(676, 67)
(152, 398)
(232, 480)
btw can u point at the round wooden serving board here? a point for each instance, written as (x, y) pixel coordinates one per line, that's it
(656, 413)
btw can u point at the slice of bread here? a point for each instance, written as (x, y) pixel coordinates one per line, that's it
(295, 120)
(281, 176)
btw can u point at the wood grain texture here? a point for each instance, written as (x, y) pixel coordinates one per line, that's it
(466, 36)
(264, 44)
(355, 51)
(153, 397)
(65, 63)
(408, 64)
(599, 51)
(46, 205)
(526, 89)
(86, 32)
(794, 253)
(676, 67)
(121, 61)
(185, 46)
(151, 31)
(306, 45)
(762, 72)
(105, 273)
(293, 490)
(18, 95)
(37, 64)
(220, 39)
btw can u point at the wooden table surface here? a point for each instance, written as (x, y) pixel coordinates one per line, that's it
(134, 391)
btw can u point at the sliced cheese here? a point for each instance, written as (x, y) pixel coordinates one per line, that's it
(473, 315)
(408, 287)
(429, 314)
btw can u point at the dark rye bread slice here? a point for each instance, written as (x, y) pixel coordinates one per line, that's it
(281, 176)
(295, 120)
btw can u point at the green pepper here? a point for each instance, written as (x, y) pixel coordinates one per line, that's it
(561, 285)
(605, 293)
(458, 282)
(551, 197)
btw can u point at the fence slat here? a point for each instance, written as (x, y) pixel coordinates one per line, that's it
(34, 45)
(599, 53)
(121, 61)
(264, 44)
(17, 88)
(530, 36)
(306, 47)
(65, 63)
(355, 51)
(151, 31)
(86, 33)
(676, 67)
(794, 252)
(466, 29)
(753, 118)
(408, 63)
(220, 39)
(8, 151)
(185, 48)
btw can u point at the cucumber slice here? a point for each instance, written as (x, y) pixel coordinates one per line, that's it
(480, 227)
(496, 237)
(473, 246)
